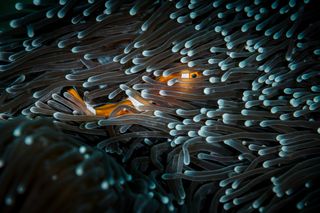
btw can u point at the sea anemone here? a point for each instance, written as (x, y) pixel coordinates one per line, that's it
(44, 170)
(216, 101)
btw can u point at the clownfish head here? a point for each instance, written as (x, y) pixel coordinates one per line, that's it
(182, 76)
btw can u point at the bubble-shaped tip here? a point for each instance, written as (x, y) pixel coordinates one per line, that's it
(218, 29)
(300, 205)
(145, 53)
(191, 53)
(28, 140)
(79, 171)
(61, 44)
(87, 56)
(220, 102)
(133, 11)
(245, 112)
(104, 185)
(263, 123)
(37, 2)
(175, 49)
(86, 12)
(101, 17)
(17, 132)
(282, 154)
(236, 201)
(186, 160)
(81, 34)
(184, 60)
(18, 6)
(248, 123)
(179, 4)
(57, 115)
(192, 134)
(61, 14)
(262, 152)
(266, 164)
(8, 200)
(221, 15)
(167, 176)
(294, 102)
(256, 204)
(224, 32)
(188, 44)
(211, 61)
(191, 64)
(181, 20)
(207, 91)
(277, 35)
(261, 50)
(173, 132)
(63, 2)
(193, 15)
(223, 198)
(90, 125)
(297, 114)
(245, 28)
(157, 113)
(227, 206)
(242, 64)
(238, 169)
(164, 199)
(137, 44)
(171, 125)
(223, 183)
(14, 23)
(289, 192)
(301, 36)
(198, 27)
(316, 52)
(75, 49)
(203, 110)
(135, 61)
(172, 16)
(227, 39)
(259, 57)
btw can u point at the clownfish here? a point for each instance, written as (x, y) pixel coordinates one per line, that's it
(104, 110)
(183, 76)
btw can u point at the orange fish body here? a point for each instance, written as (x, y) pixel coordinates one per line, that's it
(183, 76)
(104, 110)
(107, 109)
(76, 95)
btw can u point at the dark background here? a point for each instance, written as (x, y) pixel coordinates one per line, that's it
(7, 7)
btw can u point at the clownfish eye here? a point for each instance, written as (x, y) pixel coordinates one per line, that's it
(186, 74)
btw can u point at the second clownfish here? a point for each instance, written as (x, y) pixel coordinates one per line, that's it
(104, 110)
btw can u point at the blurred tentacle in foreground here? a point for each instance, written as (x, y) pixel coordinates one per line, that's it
(42, 169)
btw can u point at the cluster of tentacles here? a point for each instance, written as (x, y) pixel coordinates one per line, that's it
(243, 136)
(44, 170)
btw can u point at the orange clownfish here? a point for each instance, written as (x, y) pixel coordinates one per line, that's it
(182, 76)
(104, 110)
